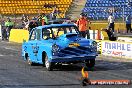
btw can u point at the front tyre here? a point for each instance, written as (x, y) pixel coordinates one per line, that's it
(90, 63)
(48, 65)
(29, 61)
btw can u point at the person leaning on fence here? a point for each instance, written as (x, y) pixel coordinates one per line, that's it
(128, 23)
(110, 34)
(8, 24)
(82, 24)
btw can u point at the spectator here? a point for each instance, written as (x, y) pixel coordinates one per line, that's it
(2, 23)
(8, 24)
(111, 22)
(54, 13)
(39, 18)
(44, 20)
(23, 16)
(82, 24)
(26, 22)
(22, 19)
(67, 21)
(47, 5)
(87, 31)
(110, 34)
(3, 30)
(32, 24)
(128, 23)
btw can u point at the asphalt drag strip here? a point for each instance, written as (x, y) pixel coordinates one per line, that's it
(16, 73)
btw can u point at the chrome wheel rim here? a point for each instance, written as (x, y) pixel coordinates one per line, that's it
(47, 64)
(29, 62)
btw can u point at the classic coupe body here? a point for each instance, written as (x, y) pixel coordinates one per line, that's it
(57, 44)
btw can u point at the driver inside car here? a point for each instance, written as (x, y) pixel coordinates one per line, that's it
(46, 34)
(60, 31)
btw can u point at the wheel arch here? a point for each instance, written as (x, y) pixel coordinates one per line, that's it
(43, 56)
(26, 55)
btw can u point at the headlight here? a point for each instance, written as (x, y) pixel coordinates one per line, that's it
(55, 48)
(94, 43)
(94, 46)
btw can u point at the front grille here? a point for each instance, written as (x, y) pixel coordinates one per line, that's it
(77, 51)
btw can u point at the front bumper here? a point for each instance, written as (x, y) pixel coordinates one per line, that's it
(73, 58)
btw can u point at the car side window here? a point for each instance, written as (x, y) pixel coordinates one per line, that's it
(47, 33)
(33, 35)
(73, 30)
(38, 33)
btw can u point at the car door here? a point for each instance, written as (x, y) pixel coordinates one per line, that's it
(33, 49)
(44, 36)
(37, 51)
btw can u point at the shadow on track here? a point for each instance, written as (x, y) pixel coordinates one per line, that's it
(14, 86)
(101, 65)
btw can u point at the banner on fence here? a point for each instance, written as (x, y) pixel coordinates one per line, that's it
(117, 49)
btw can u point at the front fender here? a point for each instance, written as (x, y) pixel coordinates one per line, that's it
(24, 49)
(47, 48)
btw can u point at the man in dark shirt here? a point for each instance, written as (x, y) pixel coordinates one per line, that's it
(128, 23)
(32, 24)
(110, 34)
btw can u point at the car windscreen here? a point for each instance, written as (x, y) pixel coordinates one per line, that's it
(54, 32)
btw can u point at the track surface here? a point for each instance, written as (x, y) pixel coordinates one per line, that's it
(16, 73)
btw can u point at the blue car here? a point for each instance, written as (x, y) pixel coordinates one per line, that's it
(55, 44)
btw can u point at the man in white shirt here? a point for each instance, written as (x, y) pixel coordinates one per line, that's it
(111, 22)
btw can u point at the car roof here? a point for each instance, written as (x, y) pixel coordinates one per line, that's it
(55, 25)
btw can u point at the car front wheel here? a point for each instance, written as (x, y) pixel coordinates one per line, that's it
(29, 61)
(48, 65)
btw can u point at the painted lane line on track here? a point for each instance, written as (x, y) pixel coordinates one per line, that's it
(8, 48)
(5, 41)
(1, 55)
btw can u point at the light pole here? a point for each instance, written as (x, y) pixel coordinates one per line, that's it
(124, 12)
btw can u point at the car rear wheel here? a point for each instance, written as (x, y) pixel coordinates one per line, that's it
(90, 63)
(48, 65)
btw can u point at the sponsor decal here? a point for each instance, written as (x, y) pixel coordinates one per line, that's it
(111, 52)
(74, 45)
(118, 46)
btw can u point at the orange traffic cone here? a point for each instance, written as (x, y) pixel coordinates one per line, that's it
(98, 37)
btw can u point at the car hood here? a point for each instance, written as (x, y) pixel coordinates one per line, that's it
(68, 39)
